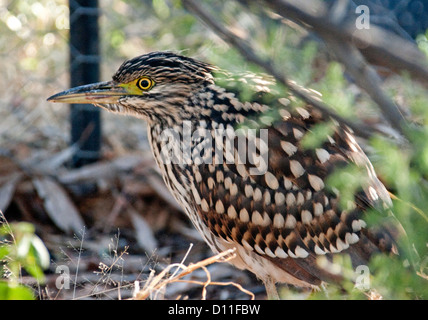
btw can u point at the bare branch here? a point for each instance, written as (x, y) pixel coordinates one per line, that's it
(385, 47)
(247, 51)
(367, 79)
(323, 22)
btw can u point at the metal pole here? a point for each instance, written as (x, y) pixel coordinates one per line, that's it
(84, 69)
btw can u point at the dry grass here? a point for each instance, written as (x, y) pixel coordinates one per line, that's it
(156, 284)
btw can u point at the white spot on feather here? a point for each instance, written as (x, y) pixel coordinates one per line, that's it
(290, 199)
(204, 205)
(300, 252)
(297, 133)
(248, 190)
(306, 216)
(333, 249)
(280, 253)
(198, 176)
(284, 102)
(219, 207)
(243, 215)
(258, 249)
(303, 112)
(318, 209)
(316, 182)
(210, 183)
(257, 218)
(279, 198)
(287, 184)
(267, 197)
(278, 220)
(357, 225)
(234, 190)
(288, 147)
(341, 245)
(322, 154)
(290, 222)
(247, 245)
(271, 181)
(231, 212)
(227, 183)
(300, 199)
(296, 168)
(219, 176)
(257, 194)
(318, 250)
(242, 170)
(269, 252)
(351, 238)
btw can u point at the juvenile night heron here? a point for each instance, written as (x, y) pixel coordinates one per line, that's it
(276, 210)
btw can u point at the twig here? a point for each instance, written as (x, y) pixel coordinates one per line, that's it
(156, 283)
(215, 283)
(367, 78)
(182, 260)
(78, 263)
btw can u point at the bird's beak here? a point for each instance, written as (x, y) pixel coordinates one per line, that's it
(107, 92)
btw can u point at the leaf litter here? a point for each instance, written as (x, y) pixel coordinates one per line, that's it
(113, 230)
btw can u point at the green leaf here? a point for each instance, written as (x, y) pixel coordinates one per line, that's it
(4, 251)
(317, 136)
(10, 291)
(36, 272)
(161, 9)
(348, 181)
(40, 252)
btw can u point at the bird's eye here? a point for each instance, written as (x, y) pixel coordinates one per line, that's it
(145, 83)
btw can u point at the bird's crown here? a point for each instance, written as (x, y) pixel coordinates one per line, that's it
(164, 66)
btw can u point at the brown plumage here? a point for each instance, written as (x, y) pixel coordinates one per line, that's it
(276, 210)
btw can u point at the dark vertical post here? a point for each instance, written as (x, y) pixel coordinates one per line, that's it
(84, 69)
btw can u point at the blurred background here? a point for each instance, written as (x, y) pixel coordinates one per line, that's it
(108, 219)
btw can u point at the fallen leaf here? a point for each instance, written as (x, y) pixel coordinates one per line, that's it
(58, 205)
(7, 190)
(143, 232)
(159, 186)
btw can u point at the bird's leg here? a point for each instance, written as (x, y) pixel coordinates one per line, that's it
(272, 293)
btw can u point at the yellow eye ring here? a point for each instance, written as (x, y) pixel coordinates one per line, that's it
(145, 83)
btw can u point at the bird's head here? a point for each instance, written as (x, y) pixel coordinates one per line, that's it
(153, 86)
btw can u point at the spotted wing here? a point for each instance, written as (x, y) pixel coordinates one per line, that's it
(287, 214)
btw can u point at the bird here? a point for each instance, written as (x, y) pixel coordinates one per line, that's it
(269, 201)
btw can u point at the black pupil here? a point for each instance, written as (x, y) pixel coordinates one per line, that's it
(144, 84)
